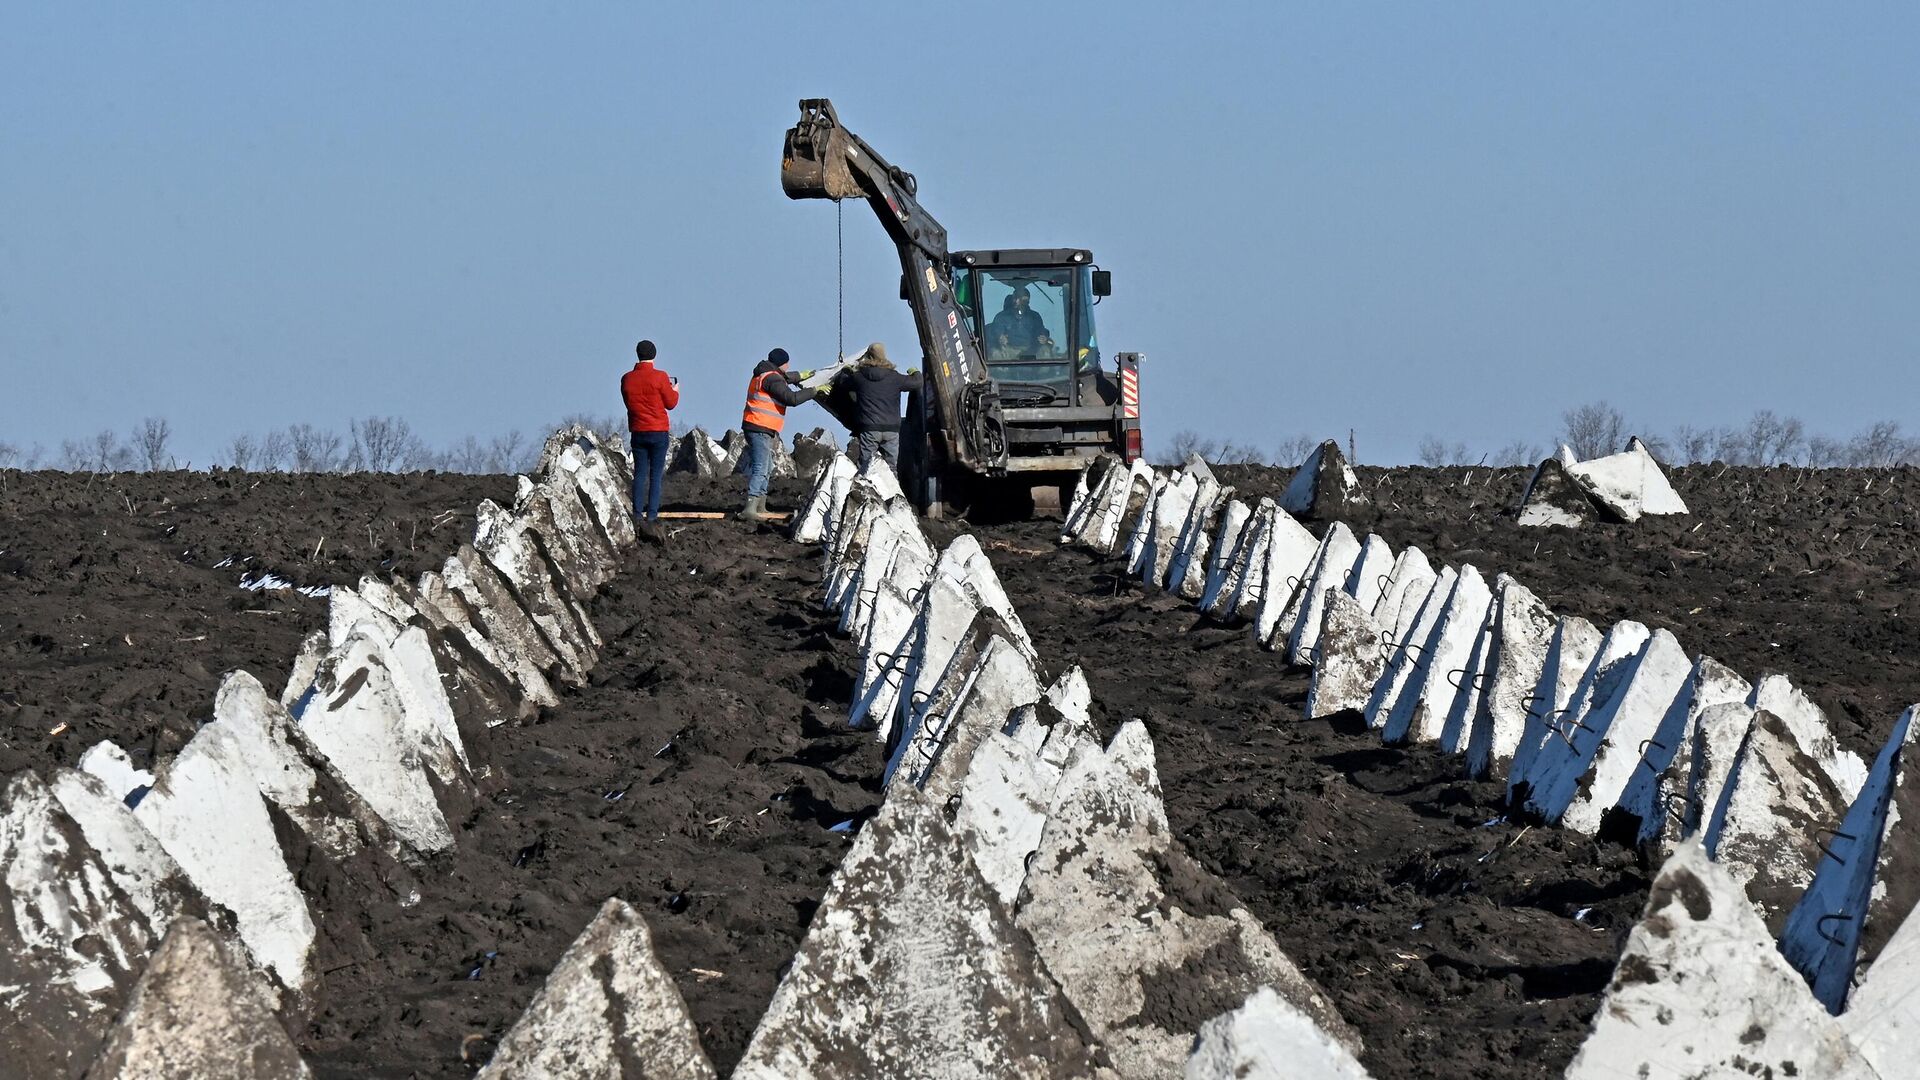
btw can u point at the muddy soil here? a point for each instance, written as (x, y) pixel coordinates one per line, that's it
(1458, 944)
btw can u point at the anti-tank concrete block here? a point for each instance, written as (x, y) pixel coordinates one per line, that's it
(1187, 573)
(1324, 486)
(896, 556)
(107, 761)
(1607, 743)
(1575, 643)
(1883, 1013)
(1628, 484)
(1226, 541)
(1140, 529)
(1008, 790)
(198, 1011)
(578, 549)
(1120, 510)
(1098, 906)
(443, 608)
(1598, 684)
(912, 967)
(608, 1009)
(1823, 932)
(1517, 652)
(207, 811)
(409, 658)
(985, 675)
(1420, 710)
(494, 608)
(1405, 651)
(1649, 797)
(810, 524)
(1469, 683)
(1267, 1038)
(136, 862)
(1774, 809)
(1700, 991)
(1371, 572)
(1411, 572)
(884, 651)
(602, 479)
(1339, 553)
(697, 454)
(1777, 694)
(1554, 497)
(513, 551)
(1350, 660)
(1718, 735)
(1276, 574)
(1170, 512)
(71, 942)
(355, 716)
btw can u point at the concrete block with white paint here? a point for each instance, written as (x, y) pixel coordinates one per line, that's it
(1269, 1038)
(1350, 661)
(913, 967)
(1332, 565)
(1700, 991)
(1522, 636)
(199, 1010)
(607, 1009)
(1607, 743)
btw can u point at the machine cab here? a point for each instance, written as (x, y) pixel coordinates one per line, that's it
(1031, 311)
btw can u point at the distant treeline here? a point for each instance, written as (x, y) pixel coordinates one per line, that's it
(1598, 429)
(373, 444)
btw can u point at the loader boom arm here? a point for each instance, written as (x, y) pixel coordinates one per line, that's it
(823, 160)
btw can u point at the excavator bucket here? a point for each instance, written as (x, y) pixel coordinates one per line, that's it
(813, 164)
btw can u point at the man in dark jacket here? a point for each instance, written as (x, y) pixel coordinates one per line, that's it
(1018, 322)
(648, 393)
(769, 396)
(876, 386)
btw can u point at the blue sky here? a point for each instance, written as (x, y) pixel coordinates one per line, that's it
(1445, 219)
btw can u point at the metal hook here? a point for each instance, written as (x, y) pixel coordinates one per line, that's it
(1820, 927)
(1691, 803)
(1827, 851)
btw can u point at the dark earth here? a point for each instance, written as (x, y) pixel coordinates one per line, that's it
(699, 773)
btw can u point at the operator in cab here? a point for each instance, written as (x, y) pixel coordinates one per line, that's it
(1017, 323)
(771, 391)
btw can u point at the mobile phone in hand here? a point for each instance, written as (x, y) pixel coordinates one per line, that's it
(673, 380)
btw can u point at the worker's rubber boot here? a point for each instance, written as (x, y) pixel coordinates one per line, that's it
(755, 510)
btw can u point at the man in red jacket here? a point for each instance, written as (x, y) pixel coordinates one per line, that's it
(649, 393)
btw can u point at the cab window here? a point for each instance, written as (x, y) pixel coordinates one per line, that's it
(1026, 328)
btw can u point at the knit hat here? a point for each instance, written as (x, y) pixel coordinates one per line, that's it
(778, 358)
(645, 350)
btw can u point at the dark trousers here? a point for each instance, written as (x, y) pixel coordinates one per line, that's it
(649, 470)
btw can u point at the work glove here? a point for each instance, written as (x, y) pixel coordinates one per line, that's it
(913, 371)
(824, 390)
(807, 374)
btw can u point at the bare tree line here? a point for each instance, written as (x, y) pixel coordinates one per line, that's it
(370, 444)
(1597, 429)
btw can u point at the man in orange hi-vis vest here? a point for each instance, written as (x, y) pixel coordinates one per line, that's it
(769, 395)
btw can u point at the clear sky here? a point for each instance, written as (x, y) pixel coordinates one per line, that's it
(1406, 219)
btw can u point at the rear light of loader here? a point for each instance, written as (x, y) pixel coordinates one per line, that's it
(1133, 445)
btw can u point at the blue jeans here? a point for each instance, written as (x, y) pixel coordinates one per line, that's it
(759, 461)
(649, 469)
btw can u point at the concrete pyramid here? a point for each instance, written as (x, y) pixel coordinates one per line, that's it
(1268, 1038)
(198, 1011)
(1324, 487)
(1351, 659)
(1099, 907)
(608, 1009)
(1700, 991)
(913, 967)
(1517, 651)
